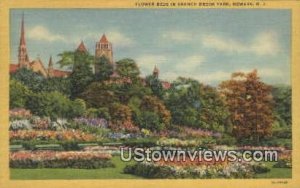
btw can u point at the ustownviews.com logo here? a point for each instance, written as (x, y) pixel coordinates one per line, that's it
(201, 155)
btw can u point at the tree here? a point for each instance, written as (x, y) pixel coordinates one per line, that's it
(121, 118)
(282, 104)
(82, 74)
(155, 105)
(62, 85)
(184, 102)
(103, 69)
(67, 59)
(151, 121)
(77, 108)
(30, 79)
(214, 113)
(49, 104)
(127, 68)
(250, 103)
(99, 94)
(155, 84)
(70, 58)
(18, 94)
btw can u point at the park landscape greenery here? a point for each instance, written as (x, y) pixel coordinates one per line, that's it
(81, 121)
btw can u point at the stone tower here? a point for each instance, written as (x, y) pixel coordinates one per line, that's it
(23, 58)
(104, 48)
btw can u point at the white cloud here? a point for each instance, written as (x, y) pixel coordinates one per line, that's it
(42, 33)
(147, 62)
(119, 39)
(169, 76)
(214, 76)
(190, 63)
(265, 43)
(218, 76)
(177, 36)
(204, 78)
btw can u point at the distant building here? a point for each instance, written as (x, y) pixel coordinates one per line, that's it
(35, 65)
(103, 48)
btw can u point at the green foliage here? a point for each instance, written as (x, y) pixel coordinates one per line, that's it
(127, 68)
(155, 84)
(195, 105)
(214, 114)
(283, 163)
(282, 133)
(226, 139)
(99, 131)
(282, 104)
(103, 69)
(141, 142)
(99, 94)
(30, 79)
(66, 59)
(150, 120)
(82, 74)
(61, 85)
(77, 108)
(53, 104)
(260, 168)
(80, 78)
(18, 94)
(61, 163)
(183, 100)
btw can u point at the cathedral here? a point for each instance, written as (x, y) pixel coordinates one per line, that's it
(103, 48)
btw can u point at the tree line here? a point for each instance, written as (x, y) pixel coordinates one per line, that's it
(243, 106)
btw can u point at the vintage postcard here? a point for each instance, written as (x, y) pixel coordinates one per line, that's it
(150, 93)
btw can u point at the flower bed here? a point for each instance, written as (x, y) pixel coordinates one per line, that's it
(19, 113)
(285, 160)
(174, 142)
(22, 124)
(51, 135)
(94, 122)
(161, 171)
(52, 159)
(40, 123)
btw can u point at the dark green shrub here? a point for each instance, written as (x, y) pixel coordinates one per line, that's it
(260, 168)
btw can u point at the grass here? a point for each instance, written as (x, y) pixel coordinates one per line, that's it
(48, 173)
(281, 173)
(113, 173)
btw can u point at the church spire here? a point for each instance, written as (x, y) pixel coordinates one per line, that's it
(155, 71)
(23, 58)
(22, 38)
(50, 68)
(50, 65)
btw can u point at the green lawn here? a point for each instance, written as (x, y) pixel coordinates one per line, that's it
(48, 173)
(112, 173)
(275, 172)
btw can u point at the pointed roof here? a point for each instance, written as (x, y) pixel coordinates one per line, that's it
(13, 68)
(103, 39)
(22, 38)
(155, 70)
(50, 62)
(81, 47)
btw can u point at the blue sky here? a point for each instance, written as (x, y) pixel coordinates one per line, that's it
(205, 44)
